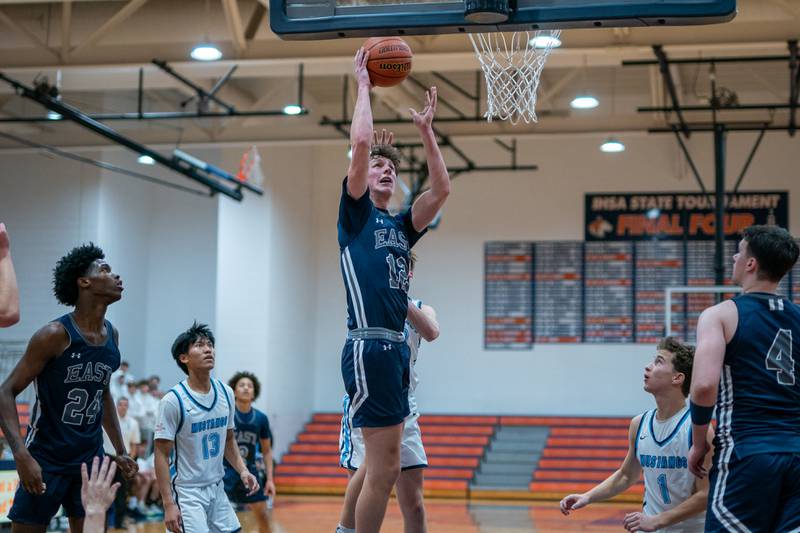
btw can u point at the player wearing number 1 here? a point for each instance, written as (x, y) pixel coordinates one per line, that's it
(70, 362)
(374, 248)
(745, 366)
(194, 430)
(658, 445)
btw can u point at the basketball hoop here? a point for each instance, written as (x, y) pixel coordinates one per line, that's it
(250, 168)
(512, 68)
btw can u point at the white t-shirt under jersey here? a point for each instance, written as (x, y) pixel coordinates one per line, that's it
(662, 447)
(198, 424)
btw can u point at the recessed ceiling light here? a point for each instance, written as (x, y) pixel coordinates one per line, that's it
(292, 109)
(146, 160)
(584, 101)
(206, 52)
(612, 146)
(545, 41)
(52, 115)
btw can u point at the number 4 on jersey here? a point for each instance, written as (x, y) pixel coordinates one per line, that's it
(779, 357)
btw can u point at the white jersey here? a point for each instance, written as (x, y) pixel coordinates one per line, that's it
(413, 340)
(662, 448)
(198, 424)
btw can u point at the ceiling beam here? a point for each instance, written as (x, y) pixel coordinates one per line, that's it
(27, 34)
(256, 19)
(234, 19)
(118, 18)
(66, 29)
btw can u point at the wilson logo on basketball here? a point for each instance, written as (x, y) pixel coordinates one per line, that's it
(392, 48)
(397, 67)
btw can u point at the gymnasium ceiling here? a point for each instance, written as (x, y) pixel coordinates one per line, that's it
(96, 48)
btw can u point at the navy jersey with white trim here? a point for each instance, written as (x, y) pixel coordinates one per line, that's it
(250, 428)
(66, 422)
(374, 260)
(758, 406)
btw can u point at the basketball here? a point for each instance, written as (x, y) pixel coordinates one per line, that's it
(389, 60)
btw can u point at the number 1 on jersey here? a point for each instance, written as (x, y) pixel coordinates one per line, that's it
(779, 358)
(662, 484)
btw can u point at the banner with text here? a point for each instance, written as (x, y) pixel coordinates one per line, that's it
(678, 216)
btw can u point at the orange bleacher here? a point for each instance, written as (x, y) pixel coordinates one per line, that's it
(580, 452)
(454, 445)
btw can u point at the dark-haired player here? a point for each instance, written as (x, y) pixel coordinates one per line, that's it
(374, 246)
(194, 431)
(252, 435)
(745, 365)
(658, 445)
(70, 361)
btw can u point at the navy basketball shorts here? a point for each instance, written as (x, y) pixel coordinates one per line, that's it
(756, 494)
(237, 492)
(376, 377)
(60, 489)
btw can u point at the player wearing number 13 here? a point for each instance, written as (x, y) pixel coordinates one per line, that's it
(69, 361)
(194, 431)
(374, 248)
(745, 364)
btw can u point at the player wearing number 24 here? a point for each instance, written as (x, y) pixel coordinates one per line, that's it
(70, 360)
(745, 365)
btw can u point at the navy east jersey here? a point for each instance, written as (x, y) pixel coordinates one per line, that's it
(758, 408)
(374, 259)
(66, 421)
(249, 429)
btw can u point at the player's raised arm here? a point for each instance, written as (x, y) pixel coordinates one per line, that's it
(431, 201)
(626, 475)
(360, 130)
(424, 321)
(706, 372)
(44, 346)
(9, 293)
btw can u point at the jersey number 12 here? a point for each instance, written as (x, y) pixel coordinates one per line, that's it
(779, 357)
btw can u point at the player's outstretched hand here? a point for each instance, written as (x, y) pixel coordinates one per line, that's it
(382, 138)
(360, 68)
(127, 466)
(640, 522)
(5, 243)
(250, 482)
(172, 518)
(697, 456)
(424, 119)
(97, 491)
(30, 474)
(269, 489)
(573, 502)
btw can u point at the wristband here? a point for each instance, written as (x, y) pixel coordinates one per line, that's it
(701, 415)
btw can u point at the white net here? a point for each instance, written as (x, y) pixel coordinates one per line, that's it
(512, 67)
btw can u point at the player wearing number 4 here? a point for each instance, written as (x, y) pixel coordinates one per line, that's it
(658, 445)
(745, 365)
(374, 248)
(70, 361)
(194, 430)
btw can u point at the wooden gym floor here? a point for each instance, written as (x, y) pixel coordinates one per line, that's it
(310, 514)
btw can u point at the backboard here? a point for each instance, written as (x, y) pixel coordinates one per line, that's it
(331, 19)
